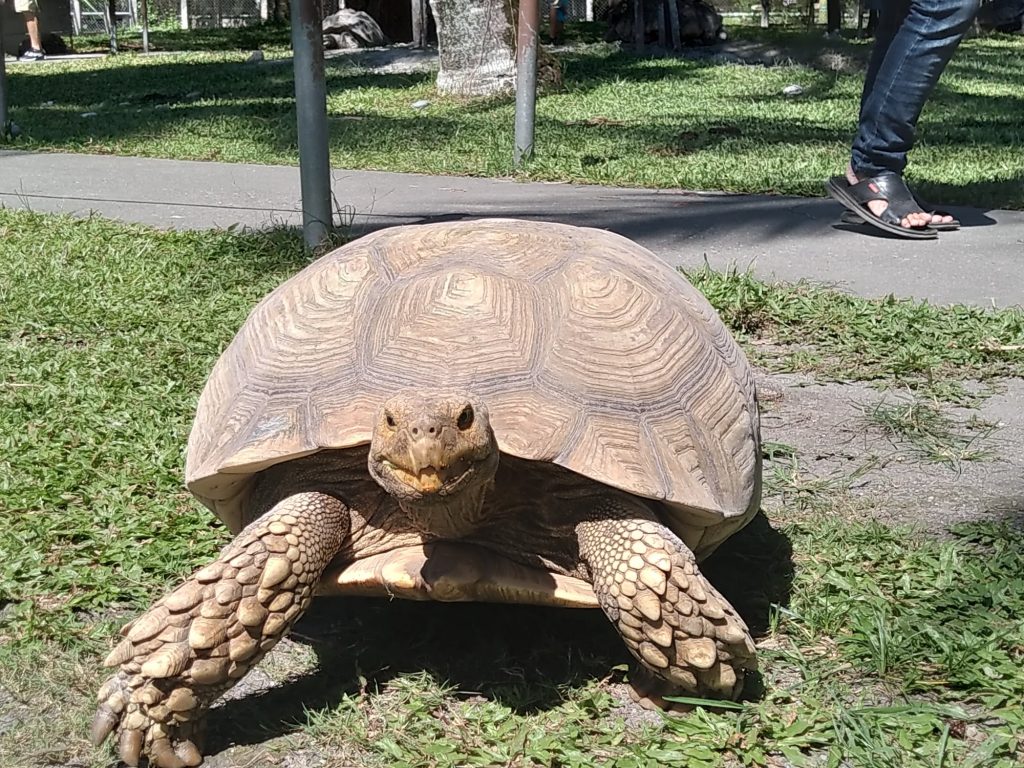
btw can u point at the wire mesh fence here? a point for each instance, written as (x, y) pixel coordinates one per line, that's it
(89, 15)
(197, 14)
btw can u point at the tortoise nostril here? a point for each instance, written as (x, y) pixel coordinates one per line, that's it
(431, 430)
(415, 430)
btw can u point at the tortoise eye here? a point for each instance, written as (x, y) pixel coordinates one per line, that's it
(390, 420)
(465, 420)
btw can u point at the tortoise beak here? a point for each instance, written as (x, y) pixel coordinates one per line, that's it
(428, 466)
(425, 455)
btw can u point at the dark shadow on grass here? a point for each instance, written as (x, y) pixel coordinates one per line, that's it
(525, 657)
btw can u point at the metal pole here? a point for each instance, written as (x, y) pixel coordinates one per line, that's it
(111, 15)
(673, 25)
(835, 15)
(418, 22)
(144, 18)
(311, 116)
(4, 120)
(526, 79)
(639, 32)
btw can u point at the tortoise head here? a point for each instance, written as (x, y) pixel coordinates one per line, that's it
(429, 447)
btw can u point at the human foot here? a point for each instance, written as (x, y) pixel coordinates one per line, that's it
(911, 220)
(898, 212)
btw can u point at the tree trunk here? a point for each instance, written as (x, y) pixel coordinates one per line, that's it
(765, 9)
(476, 42)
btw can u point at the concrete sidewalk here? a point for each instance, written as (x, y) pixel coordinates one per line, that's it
(779, 237)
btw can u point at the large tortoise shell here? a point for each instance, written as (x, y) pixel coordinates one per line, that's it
(588, 350)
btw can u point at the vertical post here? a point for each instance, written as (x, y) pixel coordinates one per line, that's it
(311, 116)
(419, 23)
(639, 33)
(835, 15)
(144, 21)
(76, 17)
(526, 79)
(673, 25)
(184, 14)
(4, 120)
(589, 14)
(110, 9)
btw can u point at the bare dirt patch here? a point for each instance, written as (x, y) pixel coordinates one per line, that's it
(833, 439)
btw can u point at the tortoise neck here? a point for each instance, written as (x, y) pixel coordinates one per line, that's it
(449, 517)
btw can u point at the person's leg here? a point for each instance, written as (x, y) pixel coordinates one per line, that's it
(903, 80)
(29, 10)
(32, 25)
(917, 38)
(891, 16)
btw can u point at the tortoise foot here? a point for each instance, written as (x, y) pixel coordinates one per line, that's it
(155, 730)
(670, 617)
(199, 640)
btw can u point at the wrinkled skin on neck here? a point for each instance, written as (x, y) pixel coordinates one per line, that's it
(437, 456)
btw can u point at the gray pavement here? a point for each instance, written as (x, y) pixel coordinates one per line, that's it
(778, 237)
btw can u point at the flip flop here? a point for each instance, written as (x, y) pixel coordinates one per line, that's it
(888, 187)
(949, 226)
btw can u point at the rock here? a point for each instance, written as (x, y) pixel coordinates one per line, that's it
(421, 104)
(792, 90)
(89, 114)
(255, 57)
(348, 29)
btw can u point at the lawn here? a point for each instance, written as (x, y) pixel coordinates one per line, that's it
(879, 646)
(615, 119)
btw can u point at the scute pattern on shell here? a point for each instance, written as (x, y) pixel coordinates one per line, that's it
(589, 351)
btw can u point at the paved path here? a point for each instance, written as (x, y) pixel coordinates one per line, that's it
(782, 237)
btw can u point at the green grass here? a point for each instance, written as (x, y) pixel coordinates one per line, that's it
(617, 119)
(841, 337)
(879, 646)
(169, 36)
(931, 433)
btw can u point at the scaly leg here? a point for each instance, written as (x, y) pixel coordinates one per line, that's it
(199, 640)
(673, 621)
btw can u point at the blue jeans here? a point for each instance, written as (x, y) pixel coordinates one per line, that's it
(914, 41)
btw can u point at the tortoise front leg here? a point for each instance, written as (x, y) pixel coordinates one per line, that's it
(199, 640)
(673, 621)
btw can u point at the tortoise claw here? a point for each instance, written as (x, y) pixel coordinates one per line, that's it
(130, 747)
(163, 754)
(103, 724)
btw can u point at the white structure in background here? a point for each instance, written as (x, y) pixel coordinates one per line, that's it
(87, 15)
(223, 13)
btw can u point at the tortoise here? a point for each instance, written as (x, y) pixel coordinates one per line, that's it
(490, 410)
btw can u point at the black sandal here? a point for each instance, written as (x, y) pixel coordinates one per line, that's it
(946, 226)
(888, 187)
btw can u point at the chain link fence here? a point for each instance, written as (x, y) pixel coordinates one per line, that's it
(88, 15)
(198, 14)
